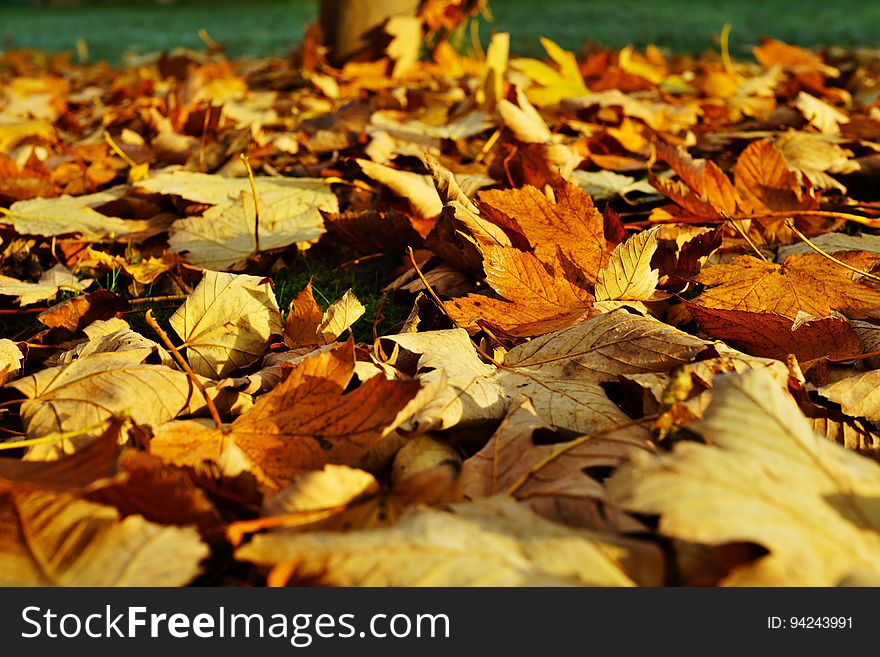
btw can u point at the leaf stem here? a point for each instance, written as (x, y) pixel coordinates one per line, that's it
(250, 172)
(212, 408)
(442, 308)
(790, 224)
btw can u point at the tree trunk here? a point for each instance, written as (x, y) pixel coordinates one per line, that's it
(347, 24)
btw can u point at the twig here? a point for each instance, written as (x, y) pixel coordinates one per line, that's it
(212, 409)
(790, 224)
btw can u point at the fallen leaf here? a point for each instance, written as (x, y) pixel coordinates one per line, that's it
(774, 336)
(226, 322)
(490, 543)
(84, 395)
(561, 373)
(552, 479)
(765, 477)
(71, 215)
(446, 363)
(55, 539)
(628, 274)
(11, 359)
(808, 283)
(52, 282)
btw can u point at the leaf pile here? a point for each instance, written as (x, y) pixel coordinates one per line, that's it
(642, 322)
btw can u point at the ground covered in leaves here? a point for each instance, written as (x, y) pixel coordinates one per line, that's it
(613, 318)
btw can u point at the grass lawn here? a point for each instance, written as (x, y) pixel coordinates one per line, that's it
(264, 27)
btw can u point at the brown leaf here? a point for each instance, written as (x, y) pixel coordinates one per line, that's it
(536, 299)
(774, 336)
(305, 422)
(570, 222)
(808, 283)
(55, 539)
(552, 479)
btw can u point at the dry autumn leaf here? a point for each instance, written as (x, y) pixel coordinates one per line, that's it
(55, 539)
(305, 422)
(775, 336)
(490, 543)
(226, 322)
(765, 477)
(805, 283)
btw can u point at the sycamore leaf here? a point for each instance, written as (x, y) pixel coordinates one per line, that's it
(570, 223)
(536, 299)
(226, 322)
(765, 477)
(55, 539)
(306, 421)
(858, 395)
(52, 282)
(84, 395)
(10, 360)
(446, 361)
(489, 543)
(67, 215)
(774, 336)
(561, 372)
(552, 478)
(808, 283)
(552, 84)
(628, 274)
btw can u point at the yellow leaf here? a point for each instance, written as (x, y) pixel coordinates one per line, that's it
(226, 322)
(764, 477)
(489, 543)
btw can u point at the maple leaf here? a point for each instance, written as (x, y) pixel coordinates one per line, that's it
(83, 396)
(561, 373)
(489, 543)
(462, 391)
(765, 477)
(305, 422)
(774, 336)
(55, 539)
(628, 274)
(552, 478)
(569, 222)
(306, 325)
(536, 299)
(10, 360)
(226, 322)
(857, 394)
(807, 283)
(50, 284)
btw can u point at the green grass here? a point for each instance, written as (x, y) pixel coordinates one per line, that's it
(271, 27)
